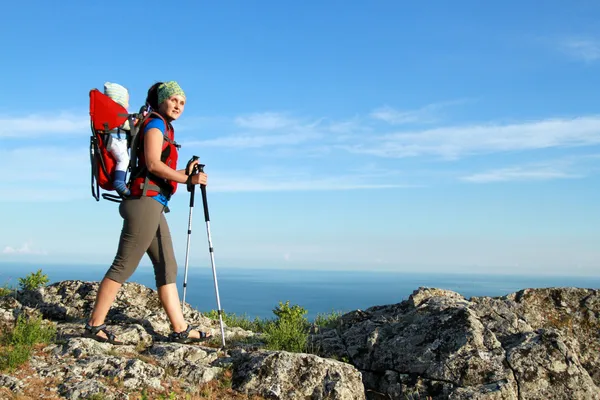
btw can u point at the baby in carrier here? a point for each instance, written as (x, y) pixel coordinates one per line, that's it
(117, 144)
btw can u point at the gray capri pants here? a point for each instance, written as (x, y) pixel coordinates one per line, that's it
(145, 230)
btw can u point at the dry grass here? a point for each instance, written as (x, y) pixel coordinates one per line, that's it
(35, 387)
(215, 390)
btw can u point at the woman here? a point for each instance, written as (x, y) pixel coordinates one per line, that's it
(145, 229)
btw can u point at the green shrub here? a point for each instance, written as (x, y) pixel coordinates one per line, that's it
(241, 321)
(289, 331)
(295, 313)
(5, 291)
(328, 320)
(30, 331)
(33, 281)
(18, 342)
(12, 357)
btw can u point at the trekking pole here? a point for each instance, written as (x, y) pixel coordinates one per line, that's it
(212, 257)
(192, 189)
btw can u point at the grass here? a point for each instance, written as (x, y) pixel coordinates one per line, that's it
(328, 320)
(287, 331)
(18, 342)
(240, 321)
(217, 389)
(7, 290)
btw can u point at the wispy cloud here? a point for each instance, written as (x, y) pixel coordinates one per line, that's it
(455, 142)
(52, 173)
(257, 141)
(262, 130)
(568, 167)
(519, 174)
(424, 115)
(36, 125)
(25, 249)
(264, 121)
(584, 49)
(252, 181)
(324, 184)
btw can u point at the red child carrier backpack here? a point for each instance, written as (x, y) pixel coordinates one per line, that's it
(106, 115)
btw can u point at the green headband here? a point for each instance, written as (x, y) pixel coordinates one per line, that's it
(169, 89)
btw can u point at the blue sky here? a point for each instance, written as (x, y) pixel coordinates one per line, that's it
(408, 136)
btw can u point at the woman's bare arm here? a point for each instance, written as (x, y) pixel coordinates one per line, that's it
(153, 143)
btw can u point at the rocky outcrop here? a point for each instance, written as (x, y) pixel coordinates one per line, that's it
(283, 375)
(80, 368)
(534, 344)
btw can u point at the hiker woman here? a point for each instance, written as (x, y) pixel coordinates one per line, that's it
(154, 180)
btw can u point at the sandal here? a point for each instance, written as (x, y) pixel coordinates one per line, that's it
(183, 337)
(92, 333)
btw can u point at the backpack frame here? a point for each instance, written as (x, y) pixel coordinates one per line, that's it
(105, 116)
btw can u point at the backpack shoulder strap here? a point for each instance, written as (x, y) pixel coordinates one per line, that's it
(137, 131)
(167, 127)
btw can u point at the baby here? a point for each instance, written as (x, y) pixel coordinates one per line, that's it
(117, 145)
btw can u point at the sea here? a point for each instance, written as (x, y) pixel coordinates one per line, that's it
(254, 292)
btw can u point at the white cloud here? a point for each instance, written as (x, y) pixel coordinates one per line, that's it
(518, 174)
(35, 125)
(249, 141)
(288, 180)
(25, 248)
(51, 173)
(44, 164)
(568, 167)
(454, 142)
(318, 184)
(264, 121)
(263, 130)
(584, 49)
(423, 115)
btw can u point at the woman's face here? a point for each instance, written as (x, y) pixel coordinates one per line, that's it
(172, 107)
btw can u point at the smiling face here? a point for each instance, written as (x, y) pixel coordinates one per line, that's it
(172, 108)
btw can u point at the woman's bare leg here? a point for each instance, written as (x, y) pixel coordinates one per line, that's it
(107, 292)
(169, 298)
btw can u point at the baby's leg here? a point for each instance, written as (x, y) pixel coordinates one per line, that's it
(118, 148)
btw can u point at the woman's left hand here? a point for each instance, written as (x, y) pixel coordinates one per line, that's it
(190, 167)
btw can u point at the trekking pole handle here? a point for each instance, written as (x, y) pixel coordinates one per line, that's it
(191, 187)
(193, 172)
(204, 200)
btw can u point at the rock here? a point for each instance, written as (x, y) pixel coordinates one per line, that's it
(439, 344)
(547, 367)
(9, 307)
(84, 390)
(283, 375)
(532, 344)
(14, 384)
(192, 363)
(574, 312)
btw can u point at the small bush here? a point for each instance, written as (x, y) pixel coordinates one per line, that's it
(289, 331)
(29, 331)
(18, 342)
(33, 281)
(293, 314)
(5, 291)
(328, 320)
(241, 321)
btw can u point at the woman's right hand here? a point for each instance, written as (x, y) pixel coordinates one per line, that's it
(199, 179)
